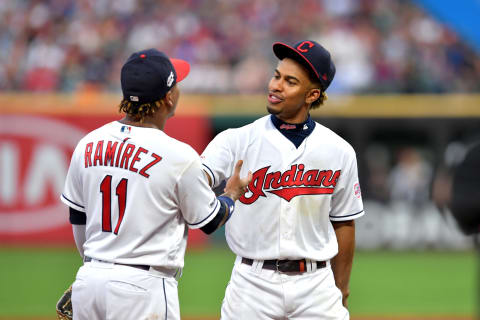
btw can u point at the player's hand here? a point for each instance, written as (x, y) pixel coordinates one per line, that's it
(237, 186)
(344, 298)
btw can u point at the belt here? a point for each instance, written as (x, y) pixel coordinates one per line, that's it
(138, 266)
(286, 265)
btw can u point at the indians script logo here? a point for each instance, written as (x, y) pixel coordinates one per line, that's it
(291, 183)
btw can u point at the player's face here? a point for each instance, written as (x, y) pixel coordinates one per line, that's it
(288, 92)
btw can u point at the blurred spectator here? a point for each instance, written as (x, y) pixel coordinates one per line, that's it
(410, 178)
(442, 182)
(377, 158)
(381, 46)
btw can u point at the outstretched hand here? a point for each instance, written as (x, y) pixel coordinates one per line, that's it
(237, 186)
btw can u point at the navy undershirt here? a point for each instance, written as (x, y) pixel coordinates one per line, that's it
(296, 133)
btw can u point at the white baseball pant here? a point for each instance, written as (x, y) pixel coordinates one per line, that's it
(256, 293)
(107, 291)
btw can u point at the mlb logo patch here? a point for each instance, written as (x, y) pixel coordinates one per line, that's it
(357, 190)
(125, 129)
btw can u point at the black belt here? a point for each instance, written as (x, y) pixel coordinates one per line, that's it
(286, 265)
(138, 266)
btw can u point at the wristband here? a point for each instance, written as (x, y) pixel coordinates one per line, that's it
(230, 204)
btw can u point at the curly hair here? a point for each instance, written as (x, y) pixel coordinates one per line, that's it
(320, 101)
(323, 95)
(139, 111)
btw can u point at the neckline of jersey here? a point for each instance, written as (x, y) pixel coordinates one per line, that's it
(296, 134)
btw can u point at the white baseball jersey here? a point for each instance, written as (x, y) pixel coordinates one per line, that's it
(139, 189)
(294, 194)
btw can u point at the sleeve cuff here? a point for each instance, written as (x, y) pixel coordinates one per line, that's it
(210, 173)
(77, 217)
(72, 204)
(348, 216)
(207, 219)
(230, 204)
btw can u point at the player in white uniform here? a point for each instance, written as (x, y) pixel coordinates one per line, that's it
(293, 232)
(132, 191)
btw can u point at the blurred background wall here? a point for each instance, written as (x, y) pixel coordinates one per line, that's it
(406, 96)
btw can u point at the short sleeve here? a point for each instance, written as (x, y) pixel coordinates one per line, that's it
(347, 198)
(72, 194)
(197, 201)
(217, 158)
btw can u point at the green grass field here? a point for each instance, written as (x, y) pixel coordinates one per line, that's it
(383, 283)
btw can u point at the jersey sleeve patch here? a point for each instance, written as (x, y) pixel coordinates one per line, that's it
(207, 219)
(348, 216)
(357, 191)
(72, 204)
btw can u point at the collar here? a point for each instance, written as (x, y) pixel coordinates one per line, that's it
(282, 126)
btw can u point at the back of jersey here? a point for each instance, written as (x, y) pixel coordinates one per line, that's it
(128, 181)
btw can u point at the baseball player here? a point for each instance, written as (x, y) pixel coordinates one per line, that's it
(132, 191)
(294, 229)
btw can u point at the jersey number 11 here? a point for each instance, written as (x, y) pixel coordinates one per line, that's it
(121, 192)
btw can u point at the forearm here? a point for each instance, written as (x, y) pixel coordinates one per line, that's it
(227, 206)
(342, 262)
(78, 220)
(79, 237)
(234, 189)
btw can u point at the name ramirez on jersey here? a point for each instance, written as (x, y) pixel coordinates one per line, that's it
(116, 154)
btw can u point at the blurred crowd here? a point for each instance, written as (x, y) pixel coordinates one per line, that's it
(378, 46)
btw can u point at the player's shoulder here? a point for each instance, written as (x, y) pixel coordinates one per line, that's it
(331, 139)
(150, 138)
(181, 149)
(98, 132)
(246, 130)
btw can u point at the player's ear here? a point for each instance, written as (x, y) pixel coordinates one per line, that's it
(168, 99)
(313, 95)
(168, 103)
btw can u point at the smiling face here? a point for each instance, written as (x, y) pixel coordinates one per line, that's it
(290, 92)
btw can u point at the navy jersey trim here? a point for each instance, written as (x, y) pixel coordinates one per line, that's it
(296, 133)
(165, 296)
(72, 202)
(211, 173)
(214, 210)
(77, 217)
(348, 215)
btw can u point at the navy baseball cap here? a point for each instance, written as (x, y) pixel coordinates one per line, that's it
(310, 54)
(148, 75)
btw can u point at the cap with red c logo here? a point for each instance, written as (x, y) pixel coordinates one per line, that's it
(310, 54)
